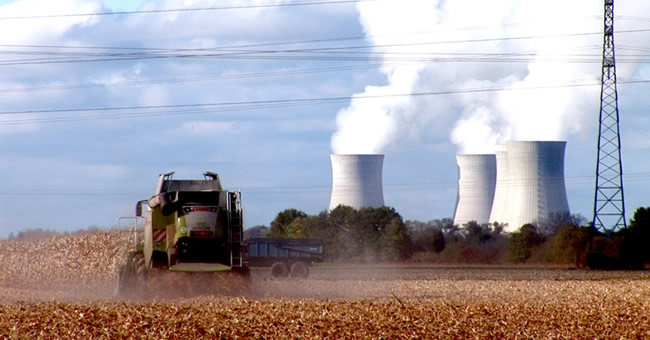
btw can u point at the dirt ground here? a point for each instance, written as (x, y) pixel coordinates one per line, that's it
(61, 287)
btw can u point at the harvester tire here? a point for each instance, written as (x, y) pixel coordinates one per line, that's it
(299, 270)
(122, 282)
(279, 269)
(125, 278)
(141, 276)
(132, 277)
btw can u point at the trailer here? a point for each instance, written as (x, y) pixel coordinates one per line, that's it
(285, 256)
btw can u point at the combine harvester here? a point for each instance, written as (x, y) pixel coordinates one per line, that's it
(193, 227)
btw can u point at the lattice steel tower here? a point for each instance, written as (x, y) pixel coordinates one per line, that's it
(609, 205)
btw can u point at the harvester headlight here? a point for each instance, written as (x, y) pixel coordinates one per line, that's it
(183, 230)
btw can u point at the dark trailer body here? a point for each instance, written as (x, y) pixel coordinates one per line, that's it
(284, 255)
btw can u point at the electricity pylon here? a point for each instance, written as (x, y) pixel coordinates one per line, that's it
(609, 205)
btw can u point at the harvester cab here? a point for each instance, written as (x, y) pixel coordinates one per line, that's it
(189, 226)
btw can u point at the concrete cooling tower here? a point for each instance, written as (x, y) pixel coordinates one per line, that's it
(533, 183)
(476, 182)
(357, 181)
(501, 190)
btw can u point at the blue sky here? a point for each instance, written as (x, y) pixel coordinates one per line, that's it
(69, 159)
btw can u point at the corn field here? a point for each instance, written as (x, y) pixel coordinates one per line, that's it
(60, 287)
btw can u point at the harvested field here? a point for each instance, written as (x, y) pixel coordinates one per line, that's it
(61, 288)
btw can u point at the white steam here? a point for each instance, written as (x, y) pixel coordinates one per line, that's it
(369, 125)
(555, 43)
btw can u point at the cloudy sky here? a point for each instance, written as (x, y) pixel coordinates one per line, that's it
(97, 98)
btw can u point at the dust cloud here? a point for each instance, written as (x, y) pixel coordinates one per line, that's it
(82, 267)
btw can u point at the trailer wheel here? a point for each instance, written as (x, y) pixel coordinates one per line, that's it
(279, 269)
(299, 269)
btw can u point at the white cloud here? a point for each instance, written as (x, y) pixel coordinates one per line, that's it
(206, 128)
(58, 173)
(305, 126)
(637, 140)
(46, 31)
(155, 95)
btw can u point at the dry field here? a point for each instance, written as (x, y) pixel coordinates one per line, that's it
(61, 287)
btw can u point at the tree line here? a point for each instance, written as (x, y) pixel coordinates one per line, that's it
(381, 234)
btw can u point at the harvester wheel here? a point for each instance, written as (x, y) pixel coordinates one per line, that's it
(279, 269)
(123, 282)
(132, 277)
(141, 276)
(125, 278)
(299, 270)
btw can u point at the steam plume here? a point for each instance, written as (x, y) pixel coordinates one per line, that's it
(539, 45)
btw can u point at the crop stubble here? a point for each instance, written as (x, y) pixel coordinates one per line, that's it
(60, 288)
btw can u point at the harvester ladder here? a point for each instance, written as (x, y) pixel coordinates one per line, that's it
(235, 229)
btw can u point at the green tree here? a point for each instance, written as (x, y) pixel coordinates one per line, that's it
(438, 241)
(475, 233)
(555, 221)
(343, 222)
(281, 223)
(569, 245)
(297, 228)
(387, 234)
(321, 226)
(521, 244)
(367, 234)
(636, 237)
(370, 234)
(394, 241)
(426, 237)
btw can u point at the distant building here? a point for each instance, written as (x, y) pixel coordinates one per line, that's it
(476, 183)
(357, 181)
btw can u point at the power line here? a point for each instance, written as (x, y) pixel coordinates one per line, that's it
(632, 18)
(162, 49)
(109, 113)
(196, 9)
(310, 41)
(570, 181)
(254, 75)
(322, 99)
(334, 53)
(478, 56)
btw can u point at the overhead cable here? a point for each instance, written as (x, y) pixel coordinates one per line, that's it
(128, 112)
(193, 9)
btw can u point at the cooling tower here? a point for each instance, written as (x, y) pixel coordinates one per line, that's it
(535, 183)
(501, 190)
(357, 181)
(476, 183)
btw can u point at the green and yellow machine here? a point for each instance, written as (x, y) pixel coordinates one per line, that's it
(191, 226)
